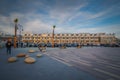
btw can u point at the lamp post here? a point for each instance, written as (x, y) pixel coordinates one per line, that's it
(53, 36)
(20, 27)
(15, 37)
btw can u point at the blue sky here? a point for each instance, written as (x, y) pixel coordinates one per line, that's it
(69, 16)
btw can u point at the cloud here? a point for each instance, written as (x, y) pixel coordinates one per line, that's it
(83, 16)
(101, 29)
(69, 16)
(63, 11)
(37, 26)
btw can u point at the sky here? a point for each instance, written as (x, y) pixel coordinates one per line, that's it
(69, 16)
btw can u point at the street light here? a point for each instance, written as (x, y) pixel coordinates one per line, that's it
(15, 37)
(53, 36)
(20, 27)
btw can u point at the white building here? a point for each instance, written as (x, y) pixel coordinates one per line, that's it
(80, 38)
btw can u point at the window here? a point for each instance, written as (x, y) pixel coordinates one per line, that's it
(76, 34)
(95, 34)
(58, 38)
(72, 34)
(75, 37)
(35, 34)
(58, 34)
(82, 37)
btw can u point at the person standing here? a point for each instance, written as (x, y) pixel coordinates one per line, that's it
(17, 44)
(21, 45)
(8, 46)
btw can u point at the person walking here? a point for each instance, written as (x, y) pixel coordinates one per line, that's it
(8, 46)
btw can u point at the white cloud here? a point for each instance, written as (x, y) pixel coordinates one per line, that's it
(37, 26)
(62, 14)
(84, 16)
(105, 29)
(30, 21)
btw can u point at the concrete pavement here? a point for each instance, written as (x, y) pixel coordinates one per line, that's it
(101, 62)
(46, 68)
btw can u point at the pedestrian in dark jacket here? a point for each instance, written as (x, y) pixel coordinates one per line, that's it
(17, 44)
(8, 46)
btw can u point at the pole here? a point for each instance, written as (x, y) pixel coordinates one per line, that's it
(20, 34)
(15, 37)
(53, 38)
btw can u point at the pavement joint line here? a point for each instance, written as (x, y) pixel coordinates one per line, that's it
(110, 79)
(108, 73)
(61, 61)
(61, 58)
(111, 64)
(84, 61)
(102, 61)
(77, 61)
(113, 67)
(87, 64)
(80, 62)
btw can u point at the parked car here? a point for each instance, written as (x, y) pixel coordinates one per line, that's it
(49, 45)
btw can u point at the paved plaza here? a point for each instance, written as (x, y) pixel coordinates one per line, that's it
(86, 63)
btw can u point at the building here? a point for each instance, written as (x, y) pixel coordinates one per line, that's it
(79, 38)
(5, 36)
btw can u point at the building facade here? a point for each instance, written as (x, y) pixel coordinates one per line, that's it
(79, 38)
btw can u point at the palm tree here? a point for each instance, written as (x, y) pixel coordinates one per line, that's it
(15, 37)
(16, 20)
(53, 36)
